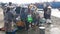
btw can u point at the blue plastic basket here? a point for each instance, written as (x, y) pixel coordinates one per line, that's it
(10, 32)
(13, 32)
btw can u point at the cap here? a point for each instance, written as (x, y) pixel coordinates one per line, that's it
(49, 6)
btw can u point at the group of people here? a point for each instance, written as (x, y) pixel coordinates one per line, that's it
(24, 20)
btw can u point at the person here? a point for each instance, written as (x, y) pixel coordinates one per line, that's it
(33, 8)
(45, 10)
(5, 7)
(18, 9)
(8, 20)
(49, 12)
(26, 21)
(10, 4)
(49, 15)
(37, 18)
(23, 16)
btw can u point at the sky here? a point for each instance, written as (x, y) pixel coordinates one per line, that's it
(26, 1)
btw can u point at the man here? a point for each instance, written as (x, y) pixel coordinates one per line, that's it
(8, 20)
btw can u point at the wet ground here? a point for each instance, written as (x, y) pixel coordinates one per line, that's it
(54, 28)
